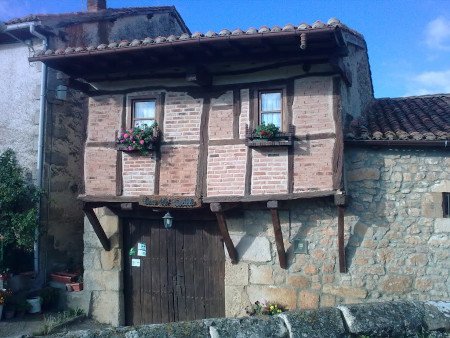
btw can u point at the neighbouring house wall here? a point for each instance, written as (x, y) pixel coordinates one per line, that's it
(359, 95)
(397, 243)
(61, 215)
(19, 104)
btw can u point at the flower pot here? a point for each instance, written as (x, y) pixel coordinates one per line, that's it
(9, 314)
(63, 277)
(74, 287)
(35, 303)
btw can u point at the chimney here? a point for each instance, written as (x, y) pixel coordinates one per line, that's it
(96, 5)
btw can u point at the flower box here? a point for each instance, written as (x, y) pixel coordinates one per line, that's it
(280, 139)
(63, 277)
(142, 140)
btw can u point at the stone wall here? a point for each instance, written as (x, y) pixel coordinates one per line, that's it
(391, 319)
(397, 243)
(103, 280)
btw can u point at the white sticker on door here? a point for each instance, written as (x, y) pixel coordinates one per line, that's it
(135, 262)
(142, 249)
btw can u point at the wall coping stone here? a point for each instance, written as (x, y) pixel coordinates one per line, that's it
(387, 319)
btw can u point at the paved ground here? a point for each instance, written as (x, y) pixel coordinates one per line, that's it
(33, 323)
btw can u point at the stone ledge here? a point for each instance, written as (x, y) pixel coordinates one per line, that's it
(388, 319)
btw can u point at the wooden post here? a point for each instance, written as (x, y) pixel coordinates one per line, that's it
(98, 229)
(341, 247)
(273, 206)
(218, 210)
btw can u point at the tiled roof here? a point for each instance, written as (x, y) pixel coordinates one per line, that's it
(264, 30)
(409, 118)
(81, 16)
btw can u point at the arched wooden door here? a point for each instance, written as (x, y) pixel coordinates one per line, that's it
(180, 274)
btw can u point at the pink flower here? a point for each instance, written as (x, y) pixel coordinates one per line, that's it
(125, 135)
(134, 141)
(141, 142)
(130, 148)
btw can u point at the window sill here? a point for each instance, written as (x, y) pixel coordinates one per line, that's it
(280, 140)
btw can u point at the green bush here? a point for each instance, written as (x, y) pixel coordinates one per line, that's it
(18, 206)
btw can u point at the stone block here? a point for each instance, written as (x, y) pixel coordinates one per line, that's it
(345, 291)
(437, 315)
(98, 280)
(78, 300)
(308, 300)
(252, 249)
(390, 319)
(327, 300)
(396, 284)
(442, 225)
(261, 274)
(107, 307)
(280, 295)
(263, 326)
(315, 323)
(236, 301)
(236, 274)
(363, 174)
(111, 259)
(297, 281)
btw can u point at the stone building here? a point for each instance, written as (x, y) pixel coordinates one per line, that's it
(44, 120)
(294, 219)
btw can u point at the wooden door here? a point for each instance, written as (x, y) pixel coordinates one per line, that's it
(180, 278)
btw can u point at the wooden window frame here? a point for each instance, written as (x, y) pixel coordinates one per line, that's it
(133, 109)
(446, 205)
(255, 118)
(260, 111)
(132, 98)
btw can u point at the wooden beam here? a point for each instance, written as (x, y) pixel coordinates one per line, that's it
(273, 206)
(98, 229)
(341, 247)
(222, 207)
(224, 232)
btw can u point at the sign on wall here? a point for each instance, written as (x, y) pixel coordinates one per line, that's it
(182, 202)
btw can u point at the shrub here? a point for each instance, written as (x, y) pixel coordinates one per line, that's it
(18, 206)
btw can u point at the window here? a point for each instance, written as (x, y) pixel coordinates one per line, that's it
(144, 112)
(270, 108)
(446, 204)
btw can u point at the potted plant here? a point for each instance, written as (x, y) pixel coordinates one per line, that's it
(140, 139)
(266, 131)
(22, 307)
(269, 135)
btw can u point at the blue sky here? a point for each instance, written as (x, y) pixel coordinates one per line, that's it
(408, 41)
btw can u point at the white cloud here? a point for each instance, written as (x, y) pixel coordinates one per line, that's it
(437, 34)
(430, 82)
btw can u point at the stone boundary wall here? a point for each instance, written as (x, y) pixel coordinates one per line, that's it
(389, 319)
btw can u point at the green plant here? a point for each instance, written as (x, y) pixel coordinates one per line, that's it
(266, 131)
(50, 297)
(18, 205)
(139, 138)
(54, 321)
(269, 309)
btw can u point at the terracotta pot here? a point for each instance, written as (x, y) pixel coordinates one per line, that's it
(74, 287)
(63, 277)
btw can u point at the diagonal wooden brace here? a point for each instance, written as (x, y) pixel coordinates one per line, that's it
(273, 206)
(217, 209)
(98, 229)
